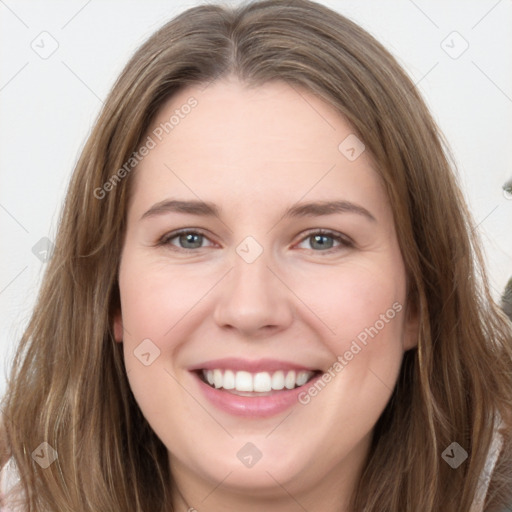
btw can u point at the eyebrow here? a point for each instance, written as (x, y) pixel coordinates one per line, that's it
(207, 209)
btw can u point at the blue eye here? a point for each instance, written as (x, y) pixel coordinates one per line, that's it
(319, 241)
(324, 241)
(187, 240)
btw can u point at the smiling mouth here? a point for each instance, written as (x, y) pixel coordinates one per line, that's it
(245, 383)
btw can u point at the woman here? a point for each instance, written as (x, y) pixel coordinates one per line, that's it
(266, 292)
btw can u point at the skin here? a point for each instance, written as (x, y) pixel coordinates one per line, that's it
(254, 152)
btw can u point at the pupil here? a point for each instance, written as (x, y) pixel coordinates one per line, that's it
(195, 240)
(191, 238)
(320, 240)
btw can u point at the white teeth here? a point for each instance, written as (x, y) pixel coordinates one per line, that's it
(289, 381)
(278, 380)
(243, 381)
(217, 378)
(229, 380)
(302, 378)
(260, 382)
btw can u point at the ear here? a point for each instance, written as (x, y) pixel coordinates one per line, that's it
(118, 326)
(411, 327)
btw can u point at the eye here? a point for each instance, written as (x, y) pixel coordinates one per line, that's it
(324, 241)
(184, 240)
(319, 240)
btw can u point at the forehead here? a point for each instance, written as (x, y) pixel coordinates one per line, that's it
(232, 142)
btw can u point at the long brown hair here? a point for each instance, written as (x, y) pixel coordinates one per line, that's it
(68, 385)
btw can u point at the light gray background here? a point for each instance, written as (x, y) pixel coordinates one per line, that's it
(48, 106)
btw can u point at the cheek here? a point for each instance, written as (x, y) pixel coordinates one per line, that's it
(360, 308)
(351, 298)
(152, 303)
(160, 305)
(363, 304)
(155, 300)
(154, 306)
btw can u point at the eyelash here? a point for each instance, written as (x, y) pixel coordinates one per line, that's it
(344, 241)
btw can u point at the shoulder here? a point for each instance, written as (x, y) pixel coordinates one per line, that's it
(490, 463)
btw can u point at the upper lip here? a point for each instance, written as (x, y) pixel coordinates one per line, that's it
(252, 366)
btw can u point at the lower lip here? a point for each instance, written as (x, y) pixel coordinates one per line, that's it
(253, 406)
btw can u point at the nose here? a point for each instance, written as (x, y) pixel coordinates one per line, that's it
(253, 301)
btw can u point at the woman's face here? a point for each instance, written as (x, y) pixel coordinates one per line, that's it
(260, 253)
